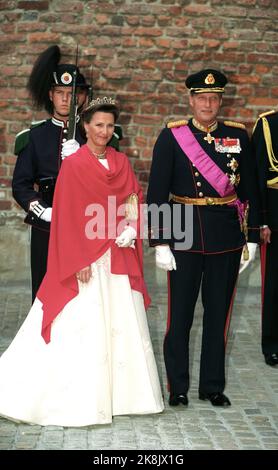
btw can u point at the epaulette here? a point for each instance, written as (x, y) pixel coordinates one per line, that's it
(172, 124)
(268, 142)
(267, 113)
(262, 115)
(22, 138)
(235, 124)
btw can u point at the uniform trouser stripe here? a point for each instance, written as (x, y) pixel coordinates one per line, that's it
(217, 274)
(168, 316)
(229, 316)
(39, 252)
(263, 249)
(269, 268)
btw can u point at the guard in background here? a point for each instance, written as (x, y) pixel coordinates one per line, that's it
(41, 149)
(206, 164)
(265, 145)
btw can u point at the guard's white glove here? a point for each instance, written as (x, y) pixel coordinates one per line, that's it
(164, 258)
(69, 147)
(252, 253)
(46, 215)
(126, 239)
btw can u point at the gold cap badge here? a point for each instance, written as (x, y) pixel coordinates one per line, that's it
(209, 80)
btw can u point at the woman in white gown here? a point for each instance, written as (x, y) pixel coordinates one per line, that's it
(84, 354)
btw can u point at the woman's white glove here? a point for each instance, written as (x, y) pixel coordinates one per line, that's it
(69, 147)
(46, 215)
(164, 258)
(126, 239)
(252, 253)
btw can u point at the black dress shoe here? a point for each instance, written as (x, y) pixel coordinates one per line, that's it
(175, 400)
(271, 359)
(216, 399)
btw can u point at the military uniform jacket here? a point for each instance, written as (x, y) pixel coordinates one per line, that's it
(265, 147)
(40, 159)
(215, 228)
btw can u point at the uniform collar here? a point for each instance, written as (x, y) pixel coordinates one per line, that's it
(60, 123)
(200, 127)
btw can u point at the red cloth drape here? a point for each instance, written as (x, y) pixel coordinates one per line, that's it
(83, 181)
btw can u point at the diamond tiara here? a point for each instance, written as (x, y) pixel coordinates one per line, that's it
(100, 101)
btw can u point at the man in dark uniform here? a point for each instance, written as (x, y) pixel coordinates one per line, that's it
(205, 165)
(265, 144)
(41, 149)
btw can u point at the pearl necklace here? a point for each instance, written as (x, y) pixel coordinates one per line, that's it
(99, 156)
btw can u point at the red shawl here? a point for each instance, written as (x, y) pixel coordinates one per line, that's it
(82, 181)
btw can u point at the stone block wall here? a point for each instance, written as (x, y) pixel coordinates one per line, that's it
(140, 52)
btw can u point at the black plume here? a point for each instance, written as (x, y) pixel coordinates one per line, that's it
(41, 78)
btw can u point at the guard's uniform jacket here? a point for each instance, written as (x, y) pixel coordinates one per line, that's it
(212, 261)
(38, 163)
(265, 147)
(216, 228)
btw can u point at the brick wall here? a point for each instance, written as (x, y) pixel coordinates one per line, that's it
(141, 52)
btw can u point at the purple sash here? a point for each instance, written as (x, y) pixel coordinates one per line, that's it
(206, 166)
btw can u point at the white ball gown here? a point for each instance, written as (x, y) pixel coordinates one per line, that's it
(98, 364)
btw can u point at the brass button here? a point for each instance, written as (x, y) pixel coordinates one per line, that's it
(200, 194)
(199, 183)
(196, 173)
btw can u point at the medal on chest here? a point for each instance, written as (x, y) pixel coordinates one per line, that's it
(227, 145)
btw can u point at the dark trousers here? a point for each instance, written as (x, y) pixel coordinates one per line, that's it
(217, 274)
(39, 252)
(269, 261)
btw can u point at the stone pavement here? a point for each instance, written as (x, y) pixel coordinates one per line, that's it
(250, 423)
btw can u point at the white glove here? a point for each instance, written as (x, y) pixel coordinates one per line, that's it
(252, 253)
(46, 215)
(69, 147)
(164, 258)
(126, 239)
